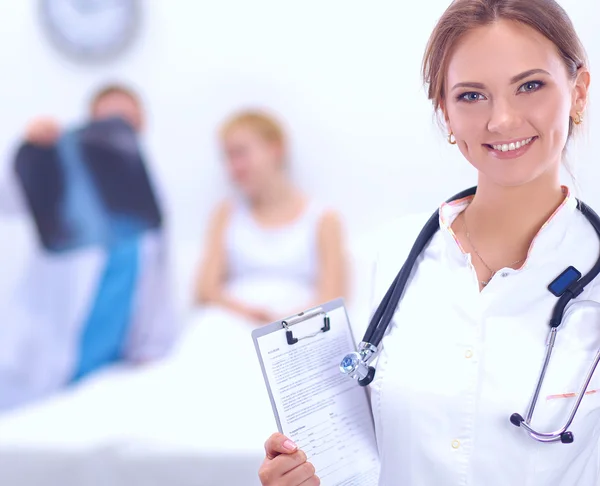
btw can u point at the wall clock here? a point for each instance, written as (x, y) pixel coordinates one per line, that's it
(91, 30)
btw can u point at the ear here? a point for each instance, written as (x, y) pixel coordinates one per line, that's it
(278, 152)
(580, 92)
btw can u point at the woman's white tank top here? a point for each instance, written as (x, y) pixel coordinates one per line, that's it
(276, 267)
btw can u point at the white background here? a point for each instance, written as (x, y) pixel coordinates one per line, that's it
(344, 75)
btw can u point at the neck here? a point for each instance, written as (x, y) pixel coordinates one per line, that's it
(275, 194)
(513, 213)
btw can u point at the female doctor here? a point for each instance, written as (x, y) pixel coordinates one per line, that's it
(465, 347)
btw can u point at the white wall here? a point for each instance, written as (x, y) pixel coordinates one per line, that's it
(343, 74)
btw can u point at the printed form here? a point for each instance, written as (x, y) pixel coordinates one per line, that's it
(324, 412)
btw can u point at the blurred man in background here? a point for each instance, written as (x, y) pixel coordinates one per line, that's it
(82, 310)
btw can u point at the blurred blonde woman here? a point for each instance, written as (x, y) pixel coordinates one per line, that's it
(271, 250)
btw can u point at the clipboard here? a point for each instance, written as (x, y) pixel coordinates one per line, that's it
(327, 414)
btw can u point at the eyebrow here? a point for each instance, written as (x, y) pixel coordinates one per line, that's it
(513, 80)
(526, 74)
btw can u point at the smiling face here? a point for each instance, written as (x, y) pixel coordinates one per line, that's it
(508, 100)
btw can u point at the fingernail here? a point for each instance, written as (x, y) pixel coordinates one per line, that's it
(289, 445)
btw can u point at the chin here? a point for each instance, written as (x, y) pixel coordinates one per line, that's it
(516, 172)
(514, 177)
(248, 192)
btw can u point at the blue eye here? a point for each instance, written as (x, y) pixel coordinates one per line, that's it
(530, 86)
(470, 97)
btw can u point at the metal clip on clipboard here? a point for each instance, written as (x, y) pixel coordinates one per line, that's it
(304, 316)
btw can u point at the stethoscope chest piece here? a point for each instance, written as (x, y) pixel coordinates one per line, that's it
(356, 364)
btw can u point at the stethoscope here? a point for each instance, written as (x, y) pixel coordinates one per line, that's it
(567, 286)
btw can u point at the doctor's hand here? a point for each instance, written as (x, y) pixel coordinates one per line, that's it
(42, 131)
(286, 465)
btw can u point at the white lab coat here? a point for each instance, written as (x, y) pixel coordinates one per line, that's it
(456, 363)
(42, 323)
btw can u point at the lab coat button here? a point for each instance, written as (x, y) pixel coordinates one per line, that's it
(504, 274)
(468, 354)
(455, 444)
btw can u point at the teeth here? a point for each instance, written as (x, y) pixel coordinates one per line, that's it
(512, 146)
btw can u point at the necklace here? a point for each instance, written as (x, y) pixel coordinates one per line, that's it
(492, 272)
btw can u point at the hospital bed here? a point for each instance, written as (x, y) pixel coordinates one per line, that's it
(179, 422)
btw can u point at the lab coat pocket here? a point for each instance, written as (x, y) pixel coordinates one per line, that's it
(563, 388)
(558, 463)
(576, 349)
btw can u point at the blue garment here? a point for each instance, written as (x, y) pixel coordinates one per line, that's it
(108, 323)
(105, 330)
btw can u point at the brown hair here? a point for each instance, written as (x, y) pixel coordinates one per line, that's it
(545, 16)
(114, 88)
(265, 125)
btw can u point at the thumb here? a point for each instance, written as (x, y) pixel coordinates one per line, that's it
(279, 444)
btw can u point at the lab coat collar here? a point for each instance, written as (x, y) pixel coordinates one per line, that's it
(547, 239)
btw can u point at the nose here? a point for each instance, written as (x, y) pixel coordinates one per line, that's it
(505, 118)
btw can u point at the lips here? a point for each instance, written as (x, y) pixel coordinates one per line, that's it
(512, 145)
(510, 149)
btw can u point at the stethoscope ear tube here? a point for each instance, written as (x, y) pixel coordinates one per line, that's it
(430, 228)
(386, 309)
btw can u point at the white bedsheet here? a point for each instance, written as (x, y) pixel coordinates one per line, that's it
(199, 418)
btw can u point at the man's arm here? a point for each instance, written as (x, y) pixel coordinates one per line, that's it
(43, 131)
